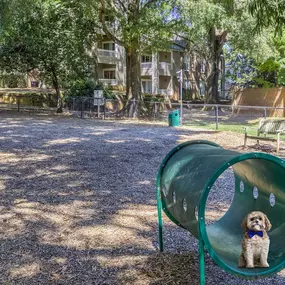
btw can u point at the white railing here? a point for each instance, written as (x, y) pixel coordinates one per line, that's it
(146, 65)
(105, 52)
(109, 81)
(165, 92)
(165, 65)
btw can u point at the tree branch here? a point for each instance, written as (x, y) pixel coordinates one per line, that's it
(105, 28)
(148, 3)
(123, 6)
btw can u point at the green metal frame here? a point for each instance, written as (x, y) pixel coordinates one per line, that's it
(160, 204)
(203, 236)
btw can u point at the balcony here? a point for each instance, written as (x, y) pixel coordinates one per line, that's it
(164, 68)
(107, 56)
(111, 82)
(146, 68)
(165, 92)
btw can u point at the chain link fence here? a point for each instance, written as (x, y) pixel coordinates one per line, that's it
(31, 102)
(210, 116)
(227, 117)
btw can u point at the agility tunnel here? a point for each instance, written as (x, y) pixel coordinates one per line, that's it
(184, 182)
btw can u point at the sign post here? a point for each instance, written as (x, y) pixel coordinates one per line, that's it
(98, 100)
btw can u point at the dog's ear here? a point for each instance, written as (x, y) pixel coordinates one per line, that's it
(267, 223)
(244, 224)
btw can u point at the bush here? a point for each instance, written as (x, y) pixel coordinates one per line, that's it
(85, 88)
(13, 81)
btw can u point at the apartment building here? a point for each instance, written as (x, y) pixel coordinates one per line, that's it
(158, 69)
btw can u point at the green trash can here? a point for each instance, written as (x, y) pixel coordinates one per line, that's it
(174, 119)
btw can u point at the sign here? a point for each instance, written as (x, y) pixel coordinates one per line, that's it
(98, 97)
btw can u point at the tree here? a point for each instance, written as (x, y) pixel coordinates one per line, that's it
(268, 13)
(51, 36)
(139, 25)
(206, 29)
(208, 25)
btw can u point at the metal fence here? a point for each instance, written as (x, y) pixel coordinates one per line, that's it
(32, 102)
(213, 116)
(111, 108)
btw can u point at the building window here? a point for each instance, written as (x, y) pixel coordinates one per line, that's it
(146, 58)
(109, 46)
(147, 86)
(187, 84)
(109, 74)
(35, 84)
(187, 63)
(203, 66)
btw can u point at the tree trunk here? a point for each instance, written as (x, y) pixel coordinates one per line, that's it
(128, 73)
(212, 84)
(217, 40)
(195, 82)
(59, 100)
(133, 92)
(131, 42)
(57, 90)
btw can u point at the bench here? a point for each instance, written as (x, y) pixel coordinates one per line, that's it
(273, 127)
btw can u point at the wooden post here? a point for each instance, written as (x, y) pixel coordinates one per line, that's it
(18, 103)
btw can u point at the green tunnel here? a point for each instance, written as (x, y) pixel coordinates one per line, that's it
(185, 180)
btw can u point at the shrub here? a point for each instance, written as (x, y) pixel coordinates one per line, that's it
(85, 88)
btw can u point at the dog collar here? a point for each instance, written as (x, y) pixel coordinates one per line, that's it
(251, 234)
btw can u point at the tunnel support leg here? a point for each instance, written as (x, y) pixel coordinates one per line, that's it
(160, 229)
(201, 261)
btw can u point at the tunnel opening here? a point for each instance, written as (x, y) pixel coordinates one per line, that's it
(220, 197)
(258, 185)
(187, 177)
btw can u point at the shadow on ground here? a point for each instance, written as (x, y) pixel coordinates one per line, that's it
(78, 204)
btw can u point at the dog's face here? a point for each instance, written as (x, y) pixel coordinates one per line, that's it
(256, 221)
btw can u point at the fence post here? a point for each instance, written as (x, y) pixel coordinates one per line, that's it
(265, 113)
(81, 114)
(98, 108)
(104, 108)
(217, 117)
(155, 110)
(18, 103)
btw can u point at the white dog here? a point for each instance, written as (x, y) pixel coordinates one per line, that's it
(255, 242)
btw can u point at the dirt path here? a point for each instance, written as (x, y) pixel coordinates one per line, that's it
(78, 204)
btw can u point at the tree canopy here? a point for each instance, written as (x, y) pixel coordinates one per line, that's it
(52, 37)
(58, 38)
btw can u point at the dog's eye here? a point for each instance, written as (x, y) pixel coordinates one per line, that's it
(252, 219)
(260, 218)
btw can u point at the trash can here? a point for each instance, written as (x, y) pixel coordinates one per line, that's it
(174, 119)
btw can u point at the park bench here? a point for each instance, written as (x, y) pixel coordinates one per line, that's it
(268, 130)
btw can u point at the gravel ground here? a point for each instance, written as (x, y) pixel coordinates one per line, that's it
(78, 204)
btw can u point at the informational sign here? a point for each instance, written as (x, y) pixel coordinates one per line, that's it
(98, 98)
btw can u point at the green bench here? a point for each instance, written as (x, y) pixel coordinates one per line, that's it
(268, 130)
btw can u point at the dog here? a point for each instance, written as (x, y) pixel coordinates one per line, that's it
(255, 242)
